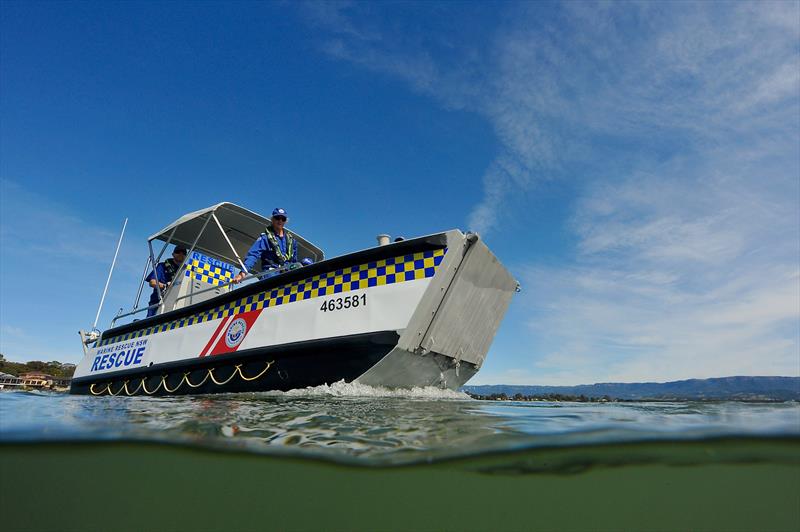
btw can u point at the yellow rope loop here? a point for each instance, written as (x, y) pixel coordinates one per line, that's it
(164, 383)
(128, 392)
(144, 386)
(211, 374)
(186, 378)
(239, 368)
(111, 392)
(91, 389)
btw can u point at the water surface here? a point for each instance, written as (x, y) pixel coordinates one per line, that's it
(353, 457)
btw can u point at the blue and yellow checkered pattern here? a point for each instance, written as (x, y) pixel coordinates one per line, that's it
(203, 271)
(393, 270)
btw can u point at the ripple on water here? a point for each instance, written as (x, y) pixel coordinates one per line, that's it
(346, 421)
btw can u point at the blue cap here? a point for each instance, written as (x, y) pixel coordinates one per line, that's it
(306, 262)
(279, 212)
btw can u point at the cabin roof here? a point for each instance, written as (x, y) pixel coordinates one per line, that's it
(240, 225)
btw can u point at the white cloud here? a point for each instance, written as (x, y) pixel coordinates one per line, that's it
(545, 82)
(335, 15)
(683, 123)
(8, 330)
(666, 290)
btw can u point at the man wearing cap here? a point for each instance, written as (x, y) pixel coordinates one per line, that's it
(275, 248)
(163, 275)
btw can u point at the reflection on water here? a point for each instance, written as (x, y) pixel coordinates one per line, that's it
(355, 423)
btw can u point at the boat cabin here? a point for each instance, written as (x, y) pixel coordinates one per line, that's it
(217, 240)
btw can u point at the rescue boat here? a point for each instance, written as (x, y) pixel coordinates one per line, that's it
(413, 313)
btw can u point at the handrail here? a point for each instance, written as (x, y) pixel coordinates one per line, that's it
(184, 264)
(141, 285)
(276, 271)
(131, 313)
(204, 290)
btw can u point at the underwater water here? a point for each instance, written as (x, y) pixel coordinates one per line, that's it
(351, 457)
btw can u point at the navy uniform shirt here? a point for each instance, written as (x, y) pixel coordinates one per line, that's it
(165, 271)
(262, 250)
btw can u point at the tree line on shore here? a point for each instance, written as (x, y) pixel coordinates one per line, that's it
(558, 397)
(543, 397)
(54, 368)
(734, 388)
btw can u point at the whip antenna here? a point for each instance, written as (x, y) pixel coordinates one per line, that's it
(113, 262)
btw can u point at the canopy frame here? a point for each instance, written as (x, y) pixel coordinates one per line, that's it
(179, 273)
(228, 218)
(238, 229)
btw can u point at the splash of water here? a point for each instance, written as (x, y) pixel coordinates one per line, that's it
(353, 389)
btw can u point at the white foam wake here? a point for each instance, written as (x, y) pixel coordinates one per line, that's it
(352, 389)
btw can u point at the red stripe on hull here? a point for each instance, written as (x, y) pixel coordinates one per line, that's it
(224, 323)
(229, 342)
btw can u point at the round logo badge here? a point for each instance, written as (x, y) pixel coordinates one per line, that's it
(235, 333)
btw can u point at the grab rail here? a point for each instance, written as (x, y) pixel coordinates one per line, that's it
(131, 313)
(273, 272)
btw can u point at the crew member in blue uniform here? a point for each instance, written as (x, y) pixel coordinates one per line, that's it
(164, 274)
(276, 248)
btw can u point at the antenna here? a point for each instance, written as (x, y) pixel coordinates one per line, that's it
(113, 262)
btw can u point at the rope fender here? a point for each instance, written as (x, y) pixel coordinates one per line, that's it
(184, 379)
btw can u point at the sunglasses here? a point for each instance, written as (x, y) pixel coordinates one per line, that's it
(281, 218)
(179, 253)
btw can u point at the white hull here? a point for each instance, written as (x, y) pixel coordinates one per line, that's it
(394, 313)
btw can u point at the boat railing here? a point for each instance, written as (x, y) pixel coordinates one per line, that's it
(131, 313)
(258, 276)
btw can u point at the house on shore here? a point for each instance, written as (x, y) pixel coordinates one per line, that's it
(33, 379)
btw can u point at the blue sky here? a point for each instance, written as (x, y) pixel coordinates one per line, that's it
(636, 165)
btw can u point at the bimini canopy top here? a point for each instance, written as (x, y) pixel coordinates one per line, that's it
(226, 231)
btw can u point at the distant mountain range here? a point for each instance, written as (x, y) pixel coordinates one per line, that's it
(743, 388)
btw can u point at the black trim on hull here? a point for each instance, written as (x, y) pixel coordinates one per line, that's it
(285, 367)
(404, 247)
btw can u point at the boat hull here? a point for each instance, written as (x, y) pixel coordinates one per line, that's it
(285, 367)
(417, 313)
